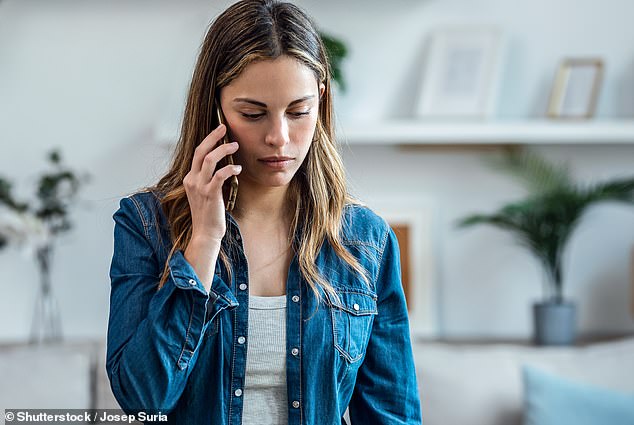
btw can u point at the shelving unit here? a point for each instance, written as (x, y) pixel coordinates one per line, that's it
(411, 132)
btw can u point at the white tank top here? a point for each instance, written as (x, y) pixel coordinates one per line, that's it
(265, 398)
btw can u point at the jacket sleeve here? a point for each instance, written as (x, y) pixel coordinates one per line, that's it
(153, 336)
(386, 391)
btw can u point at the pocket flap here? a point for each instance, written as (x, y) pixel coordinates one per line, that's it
(356, 303)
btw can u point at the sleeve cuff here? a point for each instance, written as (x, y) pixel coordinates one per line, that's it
(184, 277)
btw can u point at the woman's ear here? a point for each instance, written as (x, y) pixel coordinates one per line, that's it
(322, 88)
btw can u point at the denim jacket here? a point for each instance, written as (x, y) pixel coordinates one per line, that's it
(177, 351)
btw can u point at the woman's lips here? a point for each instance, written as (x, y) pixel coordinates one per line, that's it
(277, 163)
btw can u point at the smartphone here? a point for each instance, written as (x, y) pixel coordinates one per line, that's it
(233, 184)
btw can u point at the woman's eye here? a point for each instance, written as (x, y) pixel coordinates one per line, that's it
(252, 116)
(257, 116)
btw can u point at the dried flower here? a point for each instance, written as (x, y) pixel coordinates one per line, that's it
(32, 227)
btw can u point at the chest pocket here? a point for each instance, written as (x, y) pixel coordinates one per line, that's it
(352, 317)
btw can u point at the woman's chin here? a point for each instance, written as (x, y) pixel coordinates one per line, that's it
(279, 180)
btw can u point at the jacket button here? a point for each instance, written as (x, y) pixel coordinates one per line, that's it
(296, 404)
(295, 351)
(243, 286)
(238, 392)
(295, 298)
(192, 282)
(356, 307)
(241, 340)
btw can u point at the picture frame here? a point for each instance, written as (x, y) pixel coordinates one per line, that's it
(411, 222)
(575, 89)
(461, 73)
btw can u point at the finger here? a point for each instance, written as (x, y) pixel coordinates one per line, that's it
(210, 163)
(223, 174)
(207, 146)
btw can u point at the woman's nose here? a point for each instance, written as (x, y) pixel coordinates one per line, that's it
(277, 134)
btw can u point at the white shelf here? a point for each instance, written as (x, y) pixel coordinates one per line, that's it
(412, 132)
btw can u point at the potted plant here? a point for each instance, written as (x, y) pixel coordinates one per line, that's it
(543, 223)
(337, 51)
(35, 227)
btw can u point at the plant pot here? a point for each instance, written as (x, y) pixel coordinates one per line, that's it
(554, 323)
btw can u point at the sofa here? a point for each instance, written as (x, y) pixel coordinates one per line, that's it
(460, 384)
(482, 384)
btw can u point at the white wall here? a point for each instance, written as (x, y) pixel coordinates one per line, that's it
(100, 79)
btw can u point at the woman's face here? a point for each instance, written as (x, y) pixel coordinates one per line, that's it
(271, 111)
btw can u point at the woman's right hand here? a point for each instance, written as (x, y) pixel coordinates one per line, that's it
(203, 185)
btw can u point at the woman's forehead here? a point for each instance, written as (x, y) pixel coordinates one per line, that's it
(280, 81)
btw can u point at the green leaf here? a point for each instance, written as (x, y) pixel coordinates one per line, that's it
(336, 51)
(620, 190)
(54, 156)
(7, 199)
(533, 171)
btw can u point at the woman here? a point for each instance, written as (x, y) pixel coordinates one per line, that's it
(315, 321)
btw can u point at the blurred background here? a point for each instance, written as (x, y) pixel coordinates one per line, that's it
(104, 82)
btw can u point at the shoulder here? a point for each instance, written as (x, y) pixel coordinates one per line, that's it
(361, 225)
(143, 206)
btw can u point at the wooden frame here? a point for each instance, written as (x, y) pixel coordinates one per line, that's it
(575, 89)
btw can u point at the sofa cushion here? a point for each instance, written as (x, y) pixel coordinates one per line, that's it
(479, 384)
(551, 400)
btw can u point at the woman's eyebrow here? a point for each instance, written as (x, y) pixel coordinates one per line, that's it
(263, 105)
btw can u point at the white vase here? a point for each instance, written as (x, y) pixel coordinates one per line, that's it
(46, 326)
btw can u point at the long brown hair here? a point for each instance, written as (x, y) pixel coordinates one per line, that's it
(249, 31)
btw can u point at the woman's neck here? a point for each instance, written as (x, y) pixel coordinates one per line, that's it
(262, 206)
